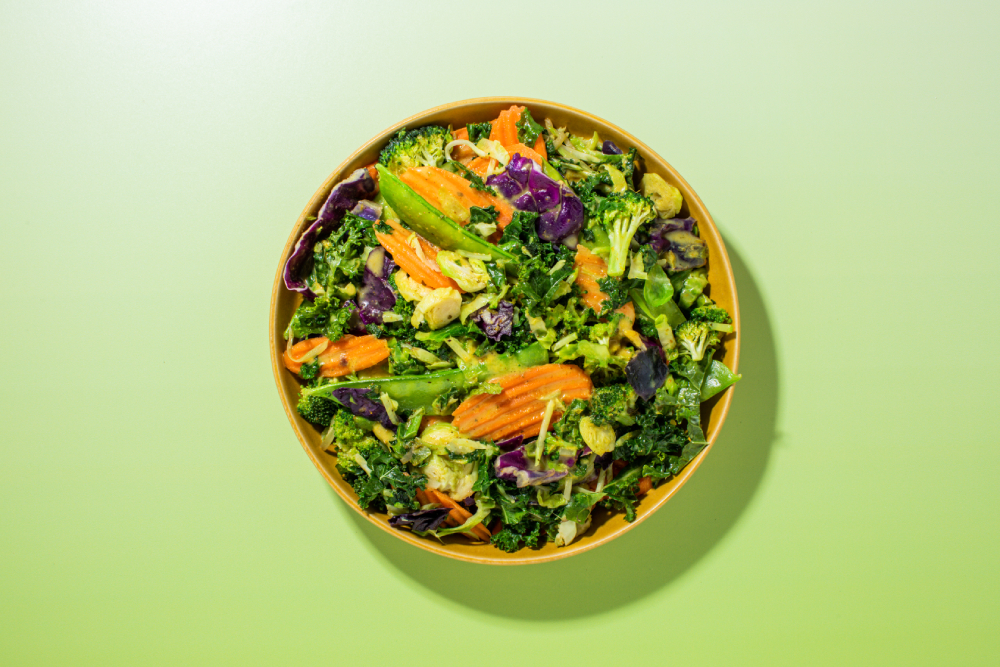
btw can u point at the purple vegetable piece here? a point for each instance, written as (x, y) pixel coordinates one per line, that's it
(660, 228)
(354, 324)
(567, 457)
(469, 504)
(514, 466)
(510, 443)
(496, 324)
(545, 191)
(360, 403)
(609, 148)
(375, 296)
(646, 372)
(368, 210)
(684, 251)
(563, 225)
(602, 461)
(528, 188)
(344, 197)
(421, 520)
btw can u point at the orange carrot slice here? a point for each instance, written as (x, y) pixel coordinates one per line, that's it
(458, 515)
(424, 270)
(525, 152)
(453, 195)
(346, 355)
(520, 406)
(540, 147)
(591, 268)
(645, 485)
(496, 131)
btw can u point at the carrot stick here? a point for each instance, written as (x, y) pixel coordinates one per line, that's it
(540, 147)
(424, 270)
(341, 357)
(645, 484)
(591, 269)
(458, 514)
(496, 131)
(525, 152)
(520, 406)
(452, 195)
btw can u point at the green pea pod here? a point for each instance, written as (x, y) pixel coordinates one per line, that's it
(717, 379)
(413, 392)
(429, 222)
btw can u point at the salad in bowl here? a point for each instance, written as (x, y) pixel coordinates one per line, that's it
(502, 328)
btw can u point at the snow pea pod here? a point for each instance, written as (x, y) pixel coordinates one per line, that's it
(430, 223)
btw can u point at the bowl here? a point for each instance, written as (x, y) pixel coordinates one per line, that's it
(606, 525)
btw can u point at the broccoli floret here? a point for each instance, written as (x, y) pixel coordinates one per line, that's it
(620, 215)
(613, 403)
(716, 317)
(696, 337)
(422, 147)
(316, 409)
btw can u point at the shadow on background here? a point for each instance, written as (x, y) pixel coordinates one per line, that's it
(653, 554)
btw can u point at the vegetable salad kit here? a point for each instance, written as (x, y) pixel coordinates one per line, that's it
(503, 327)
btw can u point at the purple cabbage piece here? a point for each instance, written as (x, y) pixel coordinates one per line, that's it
(526, 186)
(510, 443)
(676, 238)
(358, 401)
(610, 148)
(496, 323)
(344, 197)
(354, 324)
(603, 461)
(658, 230)
(646, 372)
(375, 296)
(368, 210)
(514, 466)
(421, 520)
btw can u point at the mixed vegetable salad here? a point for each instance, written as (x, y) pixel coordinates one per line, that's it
(504, 326)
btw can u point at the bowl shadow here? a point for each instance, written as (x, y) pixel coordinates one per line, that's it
(652, 555)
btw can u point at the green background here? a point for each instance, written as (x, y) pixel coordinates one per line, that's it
(155, 506)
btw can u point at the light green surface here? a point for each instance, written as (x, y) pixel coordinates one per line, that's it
(155, 507)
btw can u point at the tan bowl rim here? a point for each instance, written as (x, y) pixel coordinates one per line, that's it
(724, 399)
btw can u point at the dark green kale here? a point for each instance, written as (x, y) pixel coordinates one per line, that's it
(401, 362)
(528, 130)
(568, 427)
(479, 131)
(323, 316)
(617, 290)
(337, 260)
(472, 177)
(512, 537)
(541, 279)
(388, 483)
(486, 215)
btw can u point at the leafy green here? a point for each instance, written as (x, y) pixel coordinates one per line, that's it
(528, 130)
(479, 131)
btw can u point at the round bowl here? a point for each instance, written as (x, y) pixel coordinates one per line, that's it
(606, 525)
